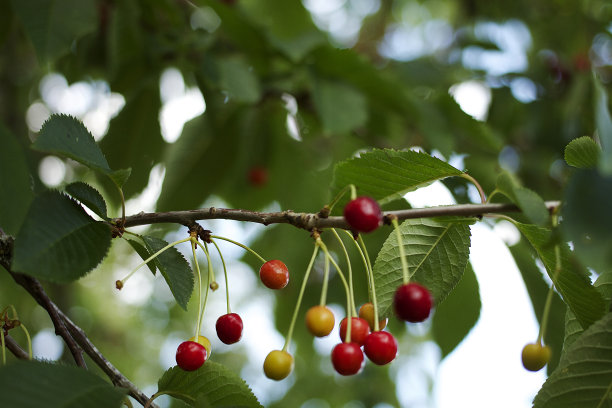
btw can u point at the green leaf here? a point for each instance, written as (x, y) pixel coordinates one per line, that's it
(142, 251)
(237, 80)
(53, 25)
(35, 384)
(387, 175)
(584, 375)
(66, 136)
(15, 183)
(604, 127)
(530, 203)
(174, 268)
(437, 254)
(119, 177)
(219, 386)
(457, 315)
(88, 196)
(583, 153)
(586, 220)
(58, 241)
(572, 282)
(341, 107)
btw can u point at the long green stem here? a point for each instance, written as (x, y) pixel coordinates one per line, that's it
(299, 300)
(241, 246)
(27, 334)
(325, 283)
(472, 180)
(400, 244)
(209, 275)
(549, 296)
(370, 272)
(350, 272)
(341, 194)
(227, 297)
(197, 267)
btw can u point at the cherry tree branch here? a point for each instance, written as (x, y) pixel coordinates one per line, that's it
(15, 348)
(309, 221)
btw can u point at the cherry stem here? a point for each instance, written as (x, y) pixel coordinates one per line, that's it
(400, 243)
(483, 197)
(155, 255)
(300, 296)
(340, 194)
(241, 246)
(549, 295)
(227, 297)
(197, 267)
(350, 272)
(210, 274)
(325, 283)
(25, 331)
(370, 272)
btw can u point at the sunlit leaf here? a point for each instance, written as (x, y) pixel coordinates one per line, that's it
(88, 196)
(58, 241)
(219, 386)
(584, 375)
(174, 268)
(437, 254)
(457, 314)
(387, 175)
(35, 384)
(583, 153)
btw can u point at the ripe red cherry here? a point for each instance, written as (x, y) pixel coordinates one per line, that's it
(359, 330)
(363, 214)
(274, 274)
(347, 358)
(412, 302)
(190, 355)
(380, 347)
(229, 328)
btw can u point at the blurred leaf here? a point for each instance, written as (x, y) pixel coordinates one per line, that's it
(58, 241)
(341, 107)
(88, 196)
(583, 153)
(66, 136)
(174, 268)
(586, 219)
(387, 175)
(537, 288)
(15, 183)
(437, 254)
(584, 375)
(53, 25)
(219, 386)
(237, 80)
(457, 314)
(144, 253)
(572, 282)
(119, 177)
(35, 384)
(530, 203)
(604, 127)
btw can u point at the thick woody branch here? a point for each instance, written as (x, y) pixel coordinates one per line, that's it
(309, 221)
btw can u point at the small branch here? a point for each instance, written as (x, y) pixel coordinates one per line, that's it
(15, 348)
(310, 221)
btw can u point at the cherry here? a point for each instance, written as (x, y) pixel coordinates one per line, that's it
(359, 330)
(274, 274)
(229, 328)
(278, 365)
(366, 312)
(412, 302)
(190, 355)
(258, 176)
(320, 321)
(347, 358)
(380, 347)
(205, 342)
(535, 356)
(363, 214)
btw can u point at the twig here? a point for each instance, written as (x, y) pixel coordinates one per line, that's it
(15, 348)
(310, 221)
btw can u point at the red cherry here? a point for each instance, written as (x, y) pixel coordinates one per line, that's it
(380, 347)
(363, 214)
(274, 274)
(412, 302)
(258, 176)
(347, 358)
(359, 330)
(229, 328)
(190, 355)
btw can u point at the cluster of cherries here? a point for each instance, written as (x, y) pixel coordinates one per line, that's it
(191, 354)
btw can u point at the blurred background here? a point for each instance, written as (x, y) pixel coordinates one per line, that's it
(249, 104)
